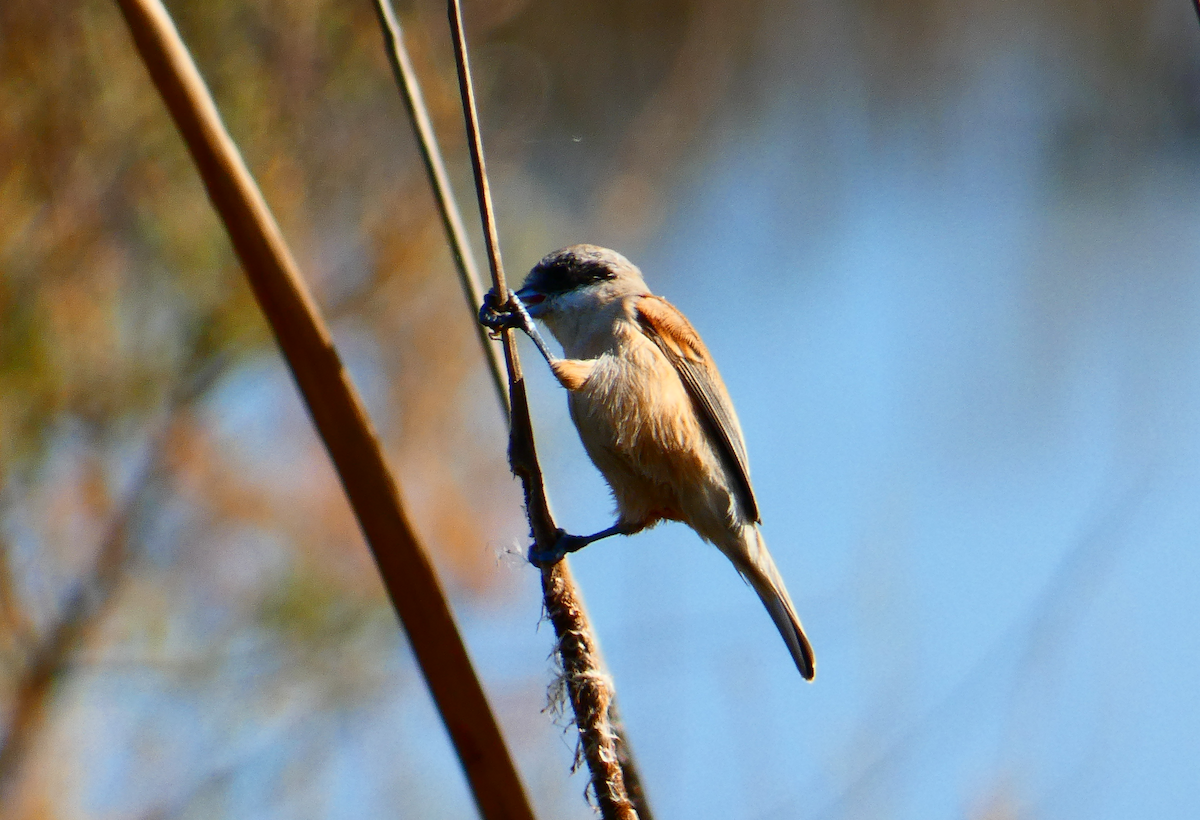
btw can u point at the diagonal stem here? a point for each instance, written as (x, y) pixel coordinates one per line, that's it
(439, 181)
(95, 593)
(338, 413)
(589, 688)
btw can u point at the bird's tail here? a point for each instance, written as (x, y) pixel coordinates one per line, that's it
(757, 567)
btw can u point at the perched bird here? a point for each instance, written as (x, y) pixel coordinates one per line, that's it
(653, 414)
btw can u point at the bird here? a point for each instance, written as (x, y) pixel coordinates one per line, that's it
(652, 412)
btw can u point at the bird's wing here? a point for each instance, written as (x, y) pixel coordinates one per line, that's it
(677, 339)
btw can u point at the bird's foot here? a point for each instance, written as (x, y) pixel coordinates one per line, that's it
(564, 543)
(496, 316)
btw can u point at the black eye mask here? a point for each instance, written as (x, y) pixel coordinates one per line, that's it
(560, 273)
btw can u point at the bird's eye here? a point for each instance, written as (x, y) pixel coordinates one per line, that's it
(555, 279)
(563, 275)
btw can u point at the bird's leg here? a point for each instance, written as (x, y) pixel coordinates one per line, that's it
(571, 373)
(527, 325)
(513, 315)
(565, 542)
(494, 316)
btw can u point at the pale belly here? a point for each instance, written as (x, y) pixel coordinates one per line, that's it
(639, 426)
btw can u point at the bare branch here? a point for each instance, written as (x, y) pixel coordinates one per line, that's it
(590, 691)
(435, 167)
(1059, 599)
(338, 414)
(96, 590)
(589, 688)
(85, 608)
(15, 631)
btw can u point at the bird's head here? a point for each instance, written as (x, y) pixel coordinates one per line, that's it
(579, 279)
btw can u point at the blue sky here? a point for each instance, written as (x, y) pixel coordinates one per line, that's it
(969, 390)
(967, 376)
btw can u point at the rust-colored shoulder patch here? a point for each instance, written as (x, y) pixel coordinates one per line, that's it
(662, 322)
(572, 373)
(678, 340)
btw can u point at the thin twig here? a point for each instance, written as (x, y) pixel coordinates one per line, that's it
(85, 607)
(95, 592)
(589, 689)
(1083, 563)
(435, 167)
(338, 413)
(629, 768)
(14, 625)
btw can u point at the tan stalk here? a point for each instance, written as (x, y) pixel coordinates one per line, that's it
(338, 414)
(589, 689)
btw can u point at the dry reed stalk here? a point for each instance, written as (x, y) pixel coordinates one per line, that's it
(337, 412)
(588, 688)
(439, 182)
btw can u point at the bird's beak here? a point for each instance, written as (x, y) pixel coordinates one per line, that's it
(532, 300)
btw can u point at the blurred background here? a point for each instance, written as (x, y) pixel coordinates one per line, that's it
(945, 254)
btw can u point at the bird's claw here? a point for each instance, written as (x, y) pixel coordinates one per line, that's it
(496, 317)
(564, 543)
